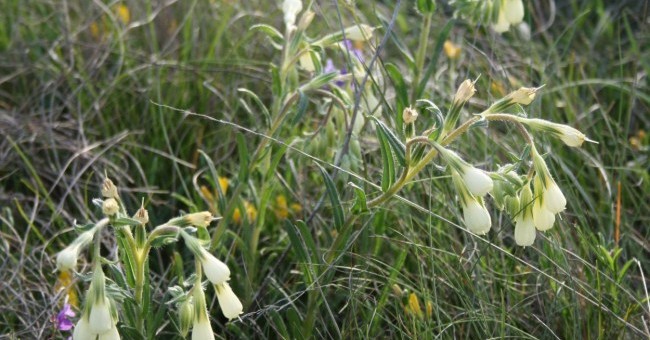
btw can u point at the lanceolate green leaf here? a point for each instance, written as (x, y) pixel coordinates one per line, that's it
(333, 195)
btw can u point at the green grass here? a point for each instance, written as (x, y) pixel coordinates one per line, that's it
(158, 105)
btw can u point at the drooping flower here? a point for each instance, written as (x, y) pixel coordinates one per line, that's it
(229, 302)
(291, 8)
(511, 12)
(524, 224)
(62, 321)
(98, 317)
(201, 328)
(361, 32)
(215, 270)
(475, 180)
(67, 258)
(525, 230)
(554, 199)
(476, 217)
(543, 217)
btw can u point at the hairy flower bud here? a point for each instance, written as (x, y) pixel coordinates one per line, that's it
(523, 96)
(361, 32)
(198, 219)
(109, 190)
(110, 207)
(465, 91)
(409, 115)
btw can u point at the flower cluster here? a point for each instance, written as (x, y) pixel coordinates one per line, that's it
(218, 274)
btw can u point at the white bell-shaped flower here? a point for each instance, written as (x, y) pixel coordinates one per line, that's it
(100, 319)
(215, 270)
(544, 218)
(202, 330)
(513, 10)
(554, 199)
(477, 181)
(476, 217)
(525, 230)
(229, 302)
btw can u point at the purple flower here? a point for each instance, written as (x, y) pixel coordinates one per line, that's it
(62, 321)
(355, 51)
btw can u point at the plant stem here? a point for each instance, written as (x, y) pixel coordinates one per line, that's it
(421, 53)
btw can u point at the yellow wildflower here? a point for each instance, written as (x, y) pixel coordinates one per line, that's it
(281, 208)
(64, 283)
(452, 51)
(251, 213)
(296, 208)
(94, 30)
(413, 306)
(123, 14)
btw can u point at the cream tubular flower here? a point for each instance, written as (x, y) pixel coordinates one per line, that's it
(199, 219)
(476, 217)
(524, 223)
(229, 302)
(554, 199)
(513, 10)
(543, 218)
(465, 91)
(82, 330)
(67, 258)
(502, 23)
(361, 32)
(291, 8)
(100, 319)
(570, 136)
(477, 181)
(524, 231)
(201, 329)
(215, 270)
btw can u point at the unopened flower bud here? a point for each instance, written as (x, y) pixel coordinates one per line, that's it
(465, 91)
(409, 115)
(109, 190)
(523, 96)
(186, 316)
(199, 219)
(110, 207)
(570, 136)
(142, 215)
(361, 32)
(305, 20)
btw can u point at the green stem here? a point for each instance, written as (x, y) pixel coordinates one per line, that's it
(421, 53)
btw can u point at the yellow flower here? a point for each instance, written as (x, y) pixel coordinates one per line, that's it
(251, 213)
(413, 306)
(64, 283)
(281, 208)
(223, 184)
(296, 208)
(452, 51)
(94, 30)
(123, 14)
